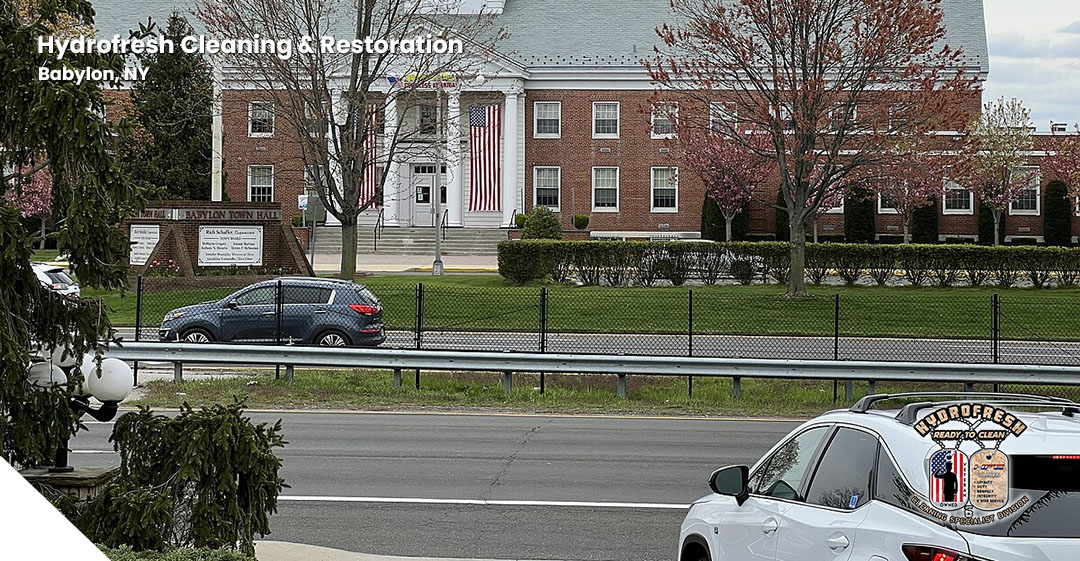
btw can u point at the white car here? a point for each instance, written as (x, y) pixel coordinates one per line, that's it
(868, 484)
(56, 279)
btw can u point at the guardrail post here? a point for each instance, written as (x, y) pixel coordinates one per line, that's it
(871, 387)
(419, 323)
(508, 382)
(289, 372)
(969, 387)
(995, 326)
(138, 323)
(690, 339)
(397, 377)
(849, 391)
(836, 340)
(543, 329)
(736, 388)
(178, 372)
(279, 309)
(622, 385)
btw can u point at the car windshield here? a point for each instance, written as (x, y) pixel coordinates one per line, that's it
(1047, 492)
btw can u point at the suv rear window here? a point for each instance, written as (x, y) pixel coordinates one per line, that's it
(58, 276)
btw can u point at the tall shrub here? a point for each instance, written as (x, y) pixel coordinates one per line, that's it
(542, 225)
(924, 223)
(712, 220)
(986, 226)
(1057, 217)
(859, 216)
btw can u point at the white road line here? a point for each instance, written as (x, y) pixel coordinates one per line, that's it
(92, 451)
(480, 502)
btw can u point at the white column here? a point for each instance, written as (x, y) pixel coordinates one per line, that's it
(454, 199)
(217, 133)
(510, 156)
(337, 115)
(392, 188)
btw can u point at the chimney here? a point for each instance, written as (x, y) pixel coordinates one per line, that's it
(493, 7)
(1058, 127)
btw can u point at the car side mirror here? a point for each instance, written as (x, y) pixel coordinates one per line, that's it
(732, 481)
(232, 305)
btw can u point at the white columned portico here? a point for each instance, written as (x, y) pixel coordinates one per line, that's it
(510, 155)
(392, 196)
(454, 199)
(338, 110)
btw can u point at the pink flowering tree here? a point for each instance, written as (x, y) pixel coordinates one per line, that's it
(994, 156)
(1065, 161)
(833, 199)
(730, 171)
(31, 195)
(913, 179)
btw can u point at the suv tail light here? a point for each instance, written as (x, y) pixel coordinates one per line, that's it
(364, 309)
(929, 553)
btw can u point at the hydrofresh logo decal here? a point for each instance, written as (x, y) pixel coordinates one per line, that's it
(968, 474)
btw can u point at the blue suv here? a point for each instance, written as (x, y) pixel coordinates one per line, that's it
(315, 311)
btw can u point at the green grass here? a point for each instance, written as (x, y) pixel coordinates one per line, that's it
(370, 390)
(45, 255)
(487, 302)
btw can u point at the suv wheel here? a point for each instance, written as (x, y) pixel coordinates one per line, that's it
(197, 336)
(332, 339)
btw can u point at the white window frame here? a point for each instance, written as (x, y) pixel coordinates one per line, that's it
(673, 118)
(953, 186)
(838, 209)
(719, 112)
(840, 107)
(558, 186)
(593, 190)
(618, 120)
(1037, 181)
(885, 210)
(536, 118)
(251, 121)
(250, 176)
(652, 190)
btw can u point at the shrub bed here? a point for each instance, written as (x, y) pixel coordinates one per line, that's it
(618, 263)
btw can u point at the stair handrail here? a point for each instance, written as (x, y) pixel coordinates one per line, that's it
(513, 220)
(377, 231)
(443, 224)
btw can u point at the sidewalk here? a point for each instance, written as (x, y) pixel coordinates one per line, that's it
(282, 551)
(368, 263)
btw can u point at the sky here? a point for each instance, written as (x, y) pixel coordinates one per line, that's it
(1035, 57)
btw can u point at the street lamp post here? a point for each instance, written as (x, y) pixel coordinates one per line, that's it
(440, 161)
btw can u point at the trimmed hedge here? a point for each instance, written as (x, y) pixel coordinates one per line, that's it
(618, 263)
(125, 553)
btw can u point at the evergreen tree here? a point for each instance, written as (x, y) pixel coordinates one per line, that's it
(924, 227)
(986, 226)
(740, 225)
(1057, 219)
(712, 220)
(783, 230)
(859, 216)
(171, 154)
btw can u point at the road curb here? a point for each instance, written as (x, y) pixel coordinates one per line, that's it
(284, 551)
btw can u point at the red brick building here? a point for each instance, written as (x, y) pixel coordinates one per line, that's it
(575, 133)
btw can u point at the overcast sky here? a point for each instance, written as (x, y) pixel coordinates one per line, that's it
(1035, 56)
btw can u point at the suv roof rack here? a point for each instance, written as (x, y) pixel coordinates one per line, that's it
(315, 279)
(909, 413)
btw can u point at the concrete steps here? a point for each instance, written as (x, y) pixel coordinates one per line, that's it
(479, 242)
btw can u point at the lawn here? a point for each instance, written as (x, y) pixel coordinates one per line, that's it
(487, 302)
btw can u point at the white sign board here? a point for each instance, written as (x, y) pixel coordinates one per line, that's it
(144, 238)
(221, 246)
(301, 202)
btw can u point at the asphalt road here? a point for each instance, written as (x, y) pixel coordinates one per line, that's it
(739, 346)
(491, 486)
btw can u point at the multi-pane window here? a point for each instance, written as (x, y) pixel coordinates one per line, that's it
(427, 119)
(664, 118)
(606, 119)
(957, 200)
(665, 189)
(842, 115)
(261, 184)
(723, 115)
(546, 186)
(1027, 201)
(605, 189)
(547, 117)
(314, 122)
(787, 120)
(886, 205)
(260, 118)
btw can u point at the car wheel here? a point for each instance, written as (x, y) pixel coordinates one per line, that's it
(332, 339)
(197, 336)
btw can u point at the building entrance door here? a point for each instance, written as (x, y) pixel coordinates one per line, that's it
(423, 181)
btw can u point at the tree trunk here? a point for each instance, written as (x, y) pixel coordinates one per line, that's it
(907, 233)
(997, 226)
(815, 229)
(796, 279)
(727, 227)
(348, 251)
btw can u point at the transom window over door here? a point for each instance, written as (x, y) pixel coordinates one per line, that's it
(606, 189)
(606, 119)
(546, 183)
(261, 184)
(665, 189)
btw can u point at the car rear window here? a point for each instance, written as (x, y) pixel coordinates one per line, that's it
(58, 276)
(367, 295)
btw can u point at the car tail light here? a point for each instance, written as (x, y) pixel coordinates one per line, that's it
(57, 286)
(364, 309)
(1063, 457)
(930, 553)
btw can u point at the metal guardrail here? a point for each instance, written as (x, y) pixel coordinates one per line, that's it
(621, 365)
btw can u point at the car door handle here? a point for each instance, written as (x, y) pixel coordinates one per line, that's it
(319, 312)
(838, 542)
(769, 526)
(269, 313)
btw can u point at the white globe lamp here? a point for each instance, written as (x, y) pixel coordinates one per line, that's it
(114, 383)
(60, 356)
(46, 375)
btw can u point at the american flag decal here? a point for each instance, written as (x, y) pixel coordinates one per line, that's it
(948, 478)
(370, 181)
(485, 162)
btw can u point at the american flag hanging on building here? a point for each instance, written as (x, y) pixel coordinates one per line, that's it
(485, 169)
(948, 477)
(370, 181)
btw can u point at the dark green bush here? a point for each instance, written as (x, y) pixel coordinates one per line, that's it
(916, 262)
(986, 226)
(881, 263)
(1007, 265)
(740, 225)
(581, 221)
(859, 211)
(1057, 216)
(924, 223)
(817, 263)
(125, 553)
(520, 220)
(520, 262)
(775, 259)
(975, 260)
(712, 263)
(850, 260)
(712, 220)
(542, 225)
